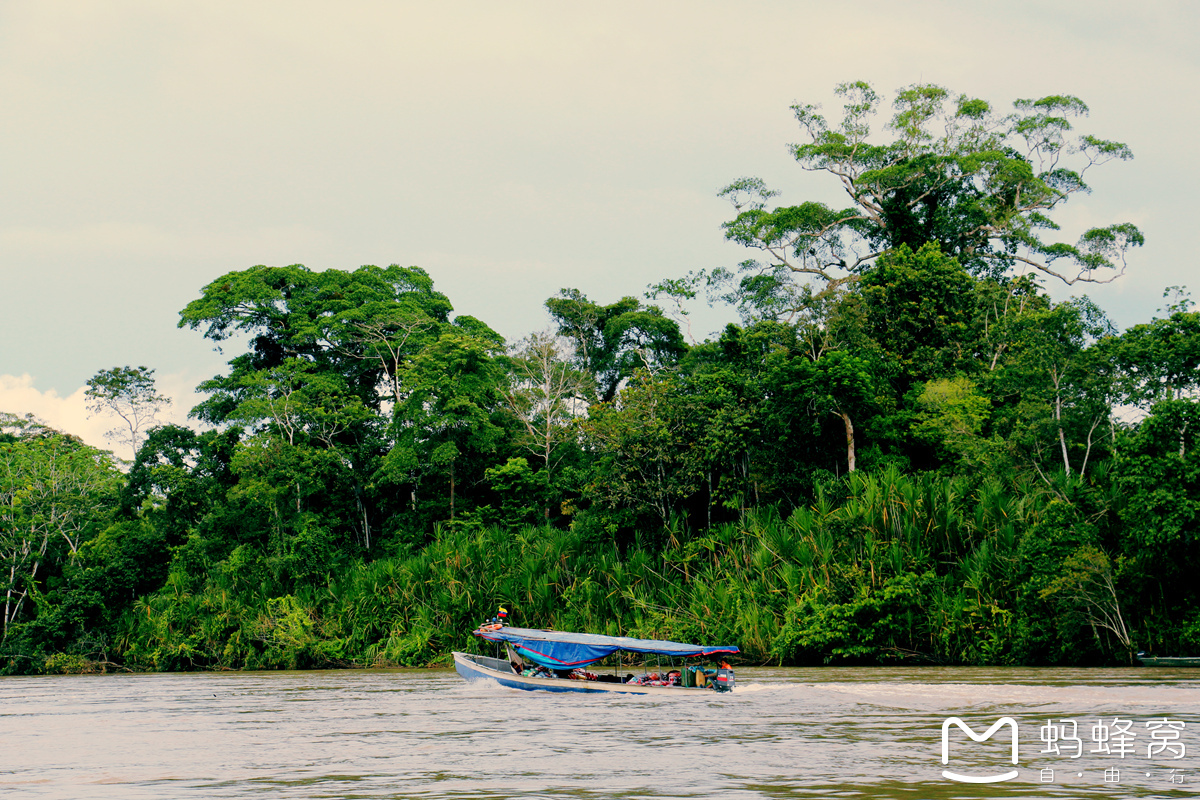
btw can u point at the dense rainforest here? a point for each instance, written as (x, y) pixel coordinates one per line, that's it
(905, 450)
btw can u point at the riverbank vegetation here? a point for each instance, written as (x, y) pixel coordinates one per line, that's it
(905, 451)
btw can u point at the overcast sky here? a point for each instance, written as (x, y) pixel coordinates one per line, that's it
(510, 149)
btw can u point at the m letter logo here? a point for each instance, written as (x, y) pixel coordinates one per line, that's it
(978, 738)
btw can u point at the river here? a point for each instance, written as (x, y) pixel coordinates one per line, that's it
(805, 733)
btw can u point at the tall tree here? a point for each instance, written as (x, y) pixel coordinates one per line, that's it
(319, 389)
(548, 395)
(1050, 387)
(979, 184)
(1159, 360)
(614, 341)
(454, 397)
(917, 308)
(642, 449)
(55, 493)
(839, 383)
(722, 384)
(130, 394)
(357, 324)
(1160, 478)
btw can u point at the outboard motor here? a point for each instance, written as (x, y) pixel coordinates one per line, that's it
(723, 681)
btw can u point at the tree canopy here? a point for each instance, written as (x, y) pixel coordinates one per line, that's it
(945, 168)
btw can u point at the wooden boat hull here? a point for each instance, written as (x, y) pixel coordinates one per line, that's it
(479, 668)
(1169, 661)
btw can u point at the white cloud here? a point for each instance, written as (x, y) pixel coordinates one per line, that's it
(69, 414)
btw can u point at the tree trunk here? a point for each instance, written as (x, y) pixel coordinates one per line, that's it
(850, 457)
(1062, 443)
(549, 482)
(708, 510)
(1088, 452)
(366, 525)
(1062, 437)
(12, 581)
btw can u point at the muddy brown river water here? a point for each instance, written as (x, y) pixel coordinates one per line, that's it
(810, 733)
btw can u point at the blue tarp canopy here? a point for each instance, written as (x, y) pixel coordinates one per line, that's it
(563, 650)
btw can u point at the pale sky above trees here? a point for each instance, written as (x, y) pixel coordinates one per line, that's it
(509, 149)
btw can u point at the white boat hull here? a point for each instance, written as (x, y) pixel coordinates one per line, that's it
(479, 668)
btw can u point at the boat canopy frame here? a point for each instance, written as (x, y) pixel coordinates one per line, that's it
(565, 650)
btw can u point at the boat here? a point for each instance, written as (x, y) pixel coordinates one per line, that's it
(1168, 661)
(559, 657)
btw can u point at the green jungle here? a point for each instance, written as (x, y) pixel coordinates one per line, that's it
(905, 450)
